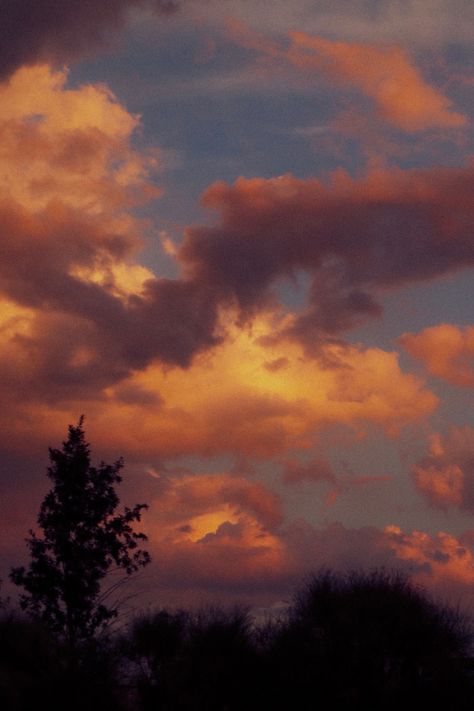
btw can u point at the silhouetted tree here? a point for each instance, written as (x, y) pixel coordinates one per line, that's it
(83, 539)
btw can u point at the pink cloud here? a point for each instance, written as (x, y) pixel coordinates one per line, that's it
(446, 475)
(384, 73)
(241, 559)
(447, 351)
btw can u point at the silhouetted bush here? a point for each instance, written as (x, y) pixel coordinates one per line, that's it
(35, 671)
(368, 641)
(205, 660)
(360, 641)
(29, 665)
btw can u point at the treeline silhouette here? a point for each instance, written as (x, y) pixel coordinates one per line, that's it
(353, 641)
(363, 641)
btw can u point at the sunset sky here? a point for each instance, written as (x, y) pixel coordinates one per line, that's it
(238, 237)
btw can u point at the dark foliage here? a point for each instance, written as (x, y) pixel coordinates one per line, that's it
(196, 661)
(355, 641)
(369, 641)
(83, 539)
(35, 672)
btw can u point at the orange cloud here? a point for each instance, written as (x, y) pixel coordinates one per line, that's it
(156, 413)
(209, 500)
(213, 531)
(446, 475)
(437, 559)
(70, 179)
(233, 554)
(72, 145)
(386, 74)
(446, 351)
(276, 410)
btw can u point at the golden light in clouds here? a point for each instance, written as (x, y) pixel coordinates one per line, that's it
(230, 401)
(443, 556)
(209, 363)
(69, 145)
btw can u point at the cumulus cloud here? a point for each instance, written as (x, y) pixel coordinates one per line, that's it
(70, 244)
(354, 237)
(86, 327)
(446, 351)
(446, 475)
(61, 30)
(156, 413)
(214, 532)
(219, 534)
(442, 561)
(193, 411)
(86, 312)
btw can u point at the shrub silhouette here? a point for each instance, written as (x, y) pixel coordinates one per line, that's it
(197, 661)
(368, 641)
(29, 665)
(35, 673)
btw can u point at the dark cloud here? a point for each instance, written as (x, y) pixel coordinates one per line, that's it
(317, 469)
(61, 30)
(354, 237)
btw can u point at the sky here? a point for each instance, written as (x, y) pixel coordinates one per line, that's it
(238, 237)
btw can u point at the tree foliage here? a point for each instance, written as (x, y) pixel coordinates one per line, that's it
(83, 539)
(371, 640)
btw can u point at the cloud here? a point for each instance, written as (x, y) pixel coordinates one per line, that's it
(70, 244)
(180, 500)
(318, 470)
(442, 561)
(295, 471)
(61, 30)
(446, 475)
(158, 414)
(211, 537)
(276, 410)
(87, 311)
(446, 351)
(355, 238)
(86, 327)
(383, 73)
(411, 21)
(214, 532)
